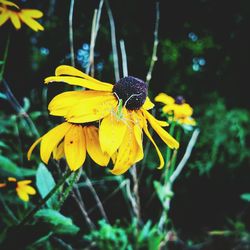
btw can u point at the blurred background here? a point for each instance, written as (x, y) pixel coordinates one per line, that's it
(203, 55)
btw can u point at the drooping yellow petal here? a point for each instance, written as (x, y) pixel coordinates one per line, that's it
(75, 147)
(8, 3)
(32, 147)
(165, 136)
(164, 98)
(4, 16)
(22, 194)
(71, 71)
(58, 152)
(36, 26)
(111, 133)
(127, 154)
(72, 80)
(27, 189)
(92, 109)
(148, 104)
(32, 13)
(51, 139)
(145, 128)
(138, 137)
(15, 20)
(93, 146)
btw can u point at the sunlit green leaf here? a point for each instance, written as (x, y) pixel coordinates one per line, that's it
(45, 183)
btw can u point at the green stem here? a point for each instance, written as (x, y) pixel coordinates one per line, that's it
(46, 198)
(5, 57)
(168, 153)
(67, 191)
(173, 161)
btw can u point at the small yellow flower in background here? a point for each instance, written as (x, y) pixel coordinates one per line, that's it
(72, 141)
(177, 107)
(9, 10)
(22, 188)
(121, 109)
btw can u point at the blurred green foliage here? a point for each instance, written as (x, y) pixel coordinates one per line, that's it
(224, 137)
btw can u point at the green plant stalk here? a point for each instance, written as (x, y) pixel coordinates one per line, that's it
(173, 160)
(46, 198)
(168, 154)
(67, 191)
(6, 50)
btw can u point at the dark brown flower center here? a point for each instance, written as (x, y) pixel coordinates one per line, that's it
(132, 91)
(179, 100)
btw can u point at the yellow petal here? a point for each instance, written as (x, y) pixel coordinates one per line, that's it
(12, 179)
(32, 13)
(32, 147)
(138, 135)
(4, 16)
(25, 182)
(93, 146)
(75, 147)
(164, 98)
(148, 104)
(61, 104)
(27, 189)
(9, 3)
(15, 20)
(111, 134)
(145, 128)
(165, 136)
(36, 26)
(58, 152)
(2, 185)
(22, 194)
(92, 109)
(169, 108)
(72, 80)
(51, 139)
(127, 153)
(71, 71)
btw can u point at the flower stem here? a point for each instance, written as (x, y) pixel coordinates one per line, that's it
(46, 198)
(5, 57)
(173, 160)
(168, 153)
(71, 40)
(71, 182)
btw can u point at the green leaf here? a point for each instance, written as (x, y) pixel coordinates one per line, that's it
(144, 232)
(245, 197)
(4, 145)
(9, 168)
(3, 96)
(59, 223)
(45, 183)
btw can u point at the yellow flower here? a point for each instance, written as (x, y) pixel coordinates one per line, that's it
(22, 188)
(72, 141)
(181, 111)
(9, 10)
(121, 109)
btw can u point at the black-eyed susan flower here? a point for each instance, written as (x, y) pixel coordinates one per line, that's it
(71, 141)
(179, 110)
(122, 110)
(9, 10)
(22, 188)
